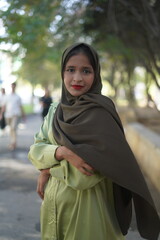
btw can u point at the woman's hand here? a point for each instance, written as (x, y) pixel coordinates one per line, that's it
(63, 152)
(42, 181)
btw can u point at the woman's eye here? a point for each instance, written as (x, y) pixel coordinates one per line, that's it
(70, 70)
(86, 71)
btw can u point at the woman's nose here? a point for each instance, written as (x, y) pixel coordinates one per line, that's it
(77, 76)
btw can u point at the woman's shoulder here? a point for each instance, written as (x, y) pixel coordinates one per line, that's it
(53, 106)
(51, 112)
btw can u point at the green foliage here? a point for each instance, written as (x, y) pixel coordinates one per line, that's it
(125, 33)
(129, 32)
(27, 23)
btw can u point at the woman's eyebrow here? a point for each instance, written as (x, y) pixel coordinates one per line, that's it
(70, 66)
(85, 67)
(88, 67)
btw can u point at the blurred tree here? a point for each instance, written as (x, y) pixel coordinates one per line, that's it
(126, 33)
(28, 24)
(128, 29)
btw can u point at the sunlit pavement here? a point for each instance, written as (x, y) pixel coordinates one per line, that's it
(19, 202)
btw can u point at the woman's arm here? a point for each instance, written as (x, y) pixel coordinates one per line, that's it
(45, 154)
(73, 171)
(77, 179)
(42, 152)
(42, 181)
(63, 152)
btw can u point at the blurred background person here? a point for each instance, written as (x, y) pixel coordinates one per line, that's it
(46, 101)
(2, 119)
(13, 111)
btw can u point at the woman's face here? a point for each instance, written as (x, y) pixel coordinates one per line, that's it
(78, 75)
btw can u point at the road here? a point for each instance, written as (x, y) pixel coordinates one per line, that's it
(19, 202)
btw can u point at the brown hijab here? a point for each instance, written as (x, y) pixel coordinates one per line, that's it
(90, 126)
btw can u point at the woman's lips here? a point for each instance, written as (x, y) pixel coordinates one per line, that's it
(77, 87)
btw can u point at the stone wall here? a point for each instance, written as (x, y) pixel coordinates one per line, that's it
(146, 146)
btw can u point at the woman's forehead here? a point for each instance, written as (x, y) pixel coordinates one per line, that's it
(79, 60)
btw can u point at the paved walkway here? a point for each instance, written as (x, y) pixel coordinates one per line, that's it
(19, 202)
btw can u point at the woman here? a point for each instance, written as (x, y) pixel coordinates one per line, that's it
(46, 101)
(87, 167)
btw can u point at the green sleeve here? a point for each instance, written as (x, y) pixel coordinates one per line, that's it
(73, 178)
(42, 152)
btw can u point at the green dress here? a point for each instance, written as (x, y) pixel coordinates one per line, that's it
(75, 206)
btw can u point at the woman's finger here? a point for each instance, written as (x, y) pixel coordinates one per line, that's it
(88, 168)
(40, 193)
(84, 171)
(40, 189)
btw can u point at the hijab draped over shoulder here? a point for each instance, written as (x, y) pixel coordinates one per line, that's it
(90, 126)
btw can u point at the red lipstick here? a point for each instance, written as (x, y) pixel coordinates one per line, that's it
(77, 87)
